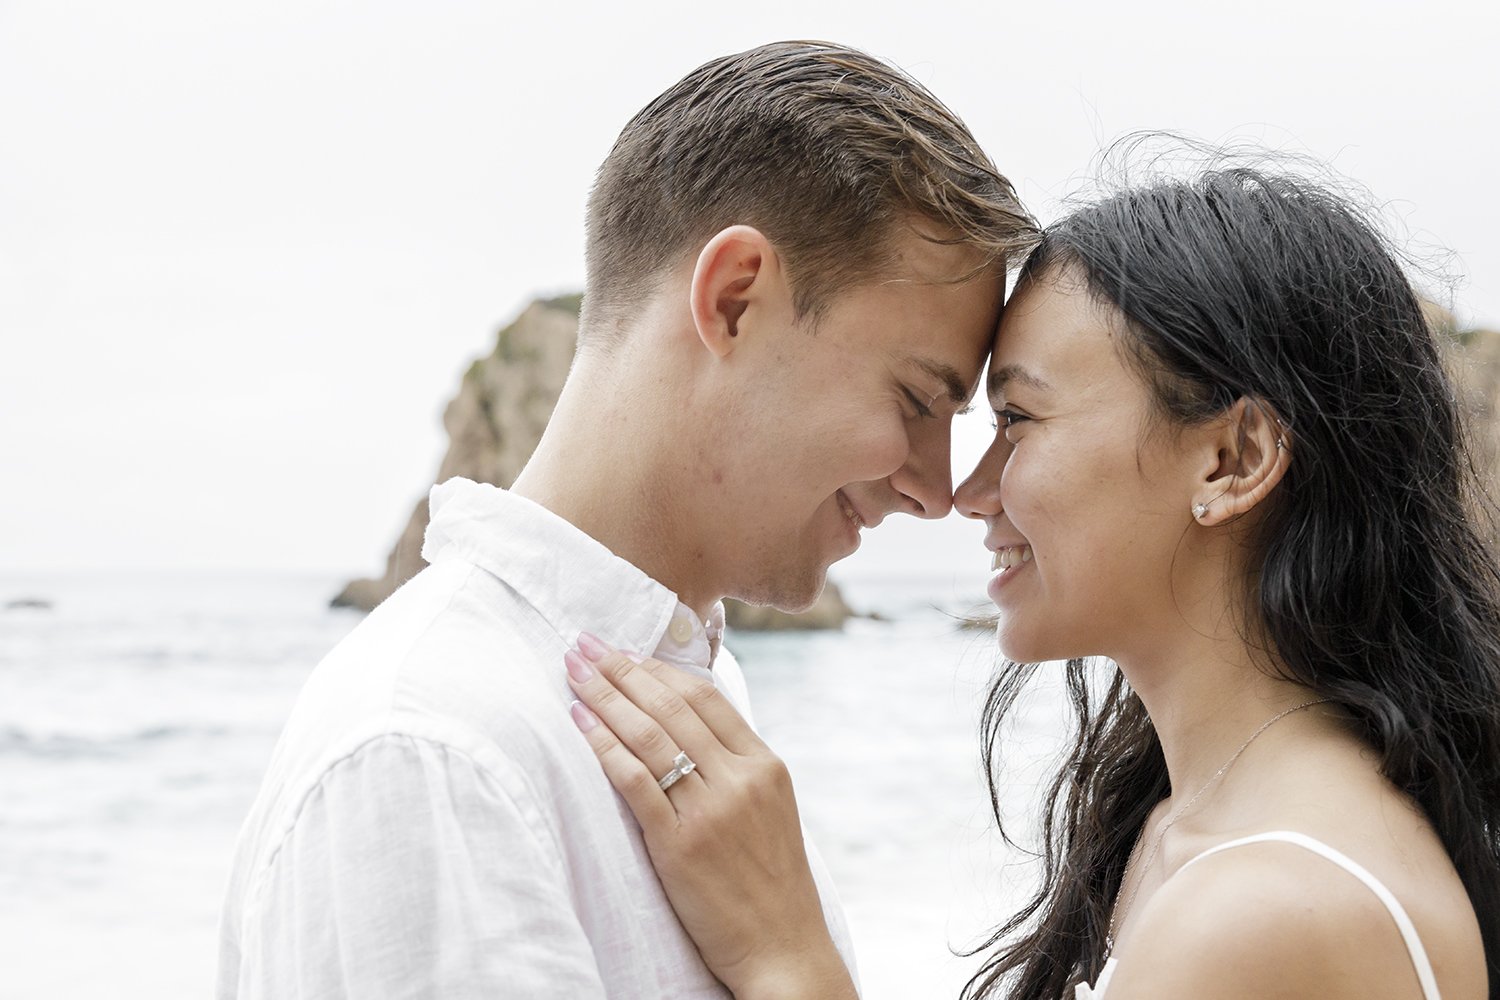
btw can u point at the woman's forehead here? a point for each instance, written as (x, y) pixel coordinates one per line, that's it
(1052, 333)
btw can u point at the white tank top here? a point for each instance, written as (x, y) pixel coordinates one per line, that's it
(1403, 922)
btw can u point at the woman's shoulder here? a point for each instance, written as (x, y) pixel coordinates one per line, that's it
(1290, 915)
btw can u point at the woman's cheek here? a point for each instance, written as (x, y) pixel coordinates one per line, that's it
(1015, 482)
(1033, 493)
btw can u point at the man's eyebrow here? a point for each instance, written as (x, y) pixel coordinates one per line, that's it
(1015, 373)
(953, 382)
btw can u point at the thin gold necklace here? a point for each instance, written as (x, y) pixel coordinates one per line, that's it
(1117, 916)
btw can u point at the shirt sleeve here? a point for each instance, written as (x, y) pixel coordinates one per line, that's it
(410, 872)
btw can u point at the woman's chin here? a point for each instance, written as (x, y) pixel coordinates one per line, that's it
(1022, 647)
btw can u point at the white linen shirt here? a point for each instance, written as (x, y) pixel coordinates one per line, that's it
(433, 824)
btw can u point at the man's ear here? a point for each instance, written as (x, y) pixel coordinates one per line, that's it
(1251, 451)
(737, 271)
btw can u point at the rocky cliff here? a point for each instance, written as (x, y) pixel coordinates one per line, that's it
(1474, 360)
(494, 422)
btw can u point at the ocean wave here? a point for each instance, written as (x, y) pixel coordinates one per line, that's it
(55, 745)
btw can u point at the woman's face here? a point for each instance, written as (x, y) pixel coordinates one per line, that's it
(1085, 510)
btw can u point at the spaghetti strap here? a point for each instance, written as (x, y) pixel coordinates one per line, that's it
(1398, 913)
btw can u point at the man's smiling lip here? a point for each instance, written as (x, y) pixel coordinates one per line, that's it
(846, 502)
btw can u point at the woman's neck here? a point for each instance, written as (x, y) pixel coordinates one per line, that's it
(1207, 696)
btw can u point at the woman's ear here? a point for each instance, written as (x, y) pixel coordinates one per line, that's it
(1252, 450)
(736, 270)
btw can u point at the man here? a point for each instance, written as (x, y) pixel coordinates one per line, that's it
(795, 267)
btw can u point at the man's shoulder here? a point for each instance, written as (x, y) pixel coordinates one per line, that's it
(453, 659)
(520, 769)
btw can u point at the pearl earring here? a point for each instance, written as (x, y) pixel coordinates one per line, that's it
(1200, 509)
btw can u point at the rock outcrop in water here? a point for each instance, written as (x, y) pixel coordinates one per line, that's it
(495, 421)
(1474, 360)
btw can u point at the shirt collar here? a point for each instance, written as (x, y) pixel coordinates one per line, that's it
(572, 579)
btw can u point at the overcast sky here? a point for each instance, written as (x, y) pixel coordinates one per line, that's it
(246, 250)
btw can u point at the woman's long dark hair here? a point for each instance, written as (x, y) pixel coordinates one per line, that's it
(1376, 584)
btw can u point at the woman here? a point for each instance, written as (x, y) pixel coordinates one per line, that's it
(1228, 461)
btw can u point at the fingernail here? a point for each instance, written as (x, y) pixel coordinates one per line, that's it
(634, 659)
(582, 717)
(578, 667)
(592, 647)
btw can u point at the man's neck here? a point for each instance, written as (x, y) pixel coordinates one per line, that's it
(623, 488)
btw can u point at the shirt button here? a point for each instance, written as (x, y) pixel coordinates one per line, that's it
(681, 630)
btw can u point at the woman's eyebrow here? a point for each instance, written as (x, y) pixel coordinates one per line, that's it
(1000, 377)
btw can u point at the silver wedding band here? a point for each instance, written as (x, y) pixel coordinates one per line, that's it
(681, 768)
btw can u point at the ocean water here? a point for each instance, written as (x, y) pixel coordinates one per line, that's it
(137, 715)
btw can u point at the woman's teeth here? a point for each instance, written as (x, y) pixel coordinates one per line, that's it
(1010, 556)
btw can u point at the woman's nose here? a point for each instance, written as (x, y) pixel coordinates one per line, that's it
(978, 496)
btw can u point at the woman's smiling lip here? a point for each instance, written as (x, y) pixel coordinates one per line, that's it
(996, 544)
(1009, 558)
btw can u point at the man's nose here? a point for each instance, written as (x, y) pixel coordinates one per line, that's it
(926, 480)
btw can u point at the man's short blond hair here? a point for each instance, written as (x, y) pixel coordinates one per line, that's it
(824, 149)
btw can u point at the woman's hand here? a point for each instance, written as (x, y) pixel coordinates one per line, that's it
(724, 838)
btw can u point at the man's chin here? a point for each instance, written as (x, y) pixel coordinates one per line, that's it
(795, 605)
(788, 595)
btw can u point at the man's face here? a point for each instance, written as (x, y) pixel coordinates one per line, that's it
(846, 421)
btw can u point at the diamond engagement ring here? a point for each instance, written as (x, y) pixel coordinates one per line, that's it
(681, 768)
